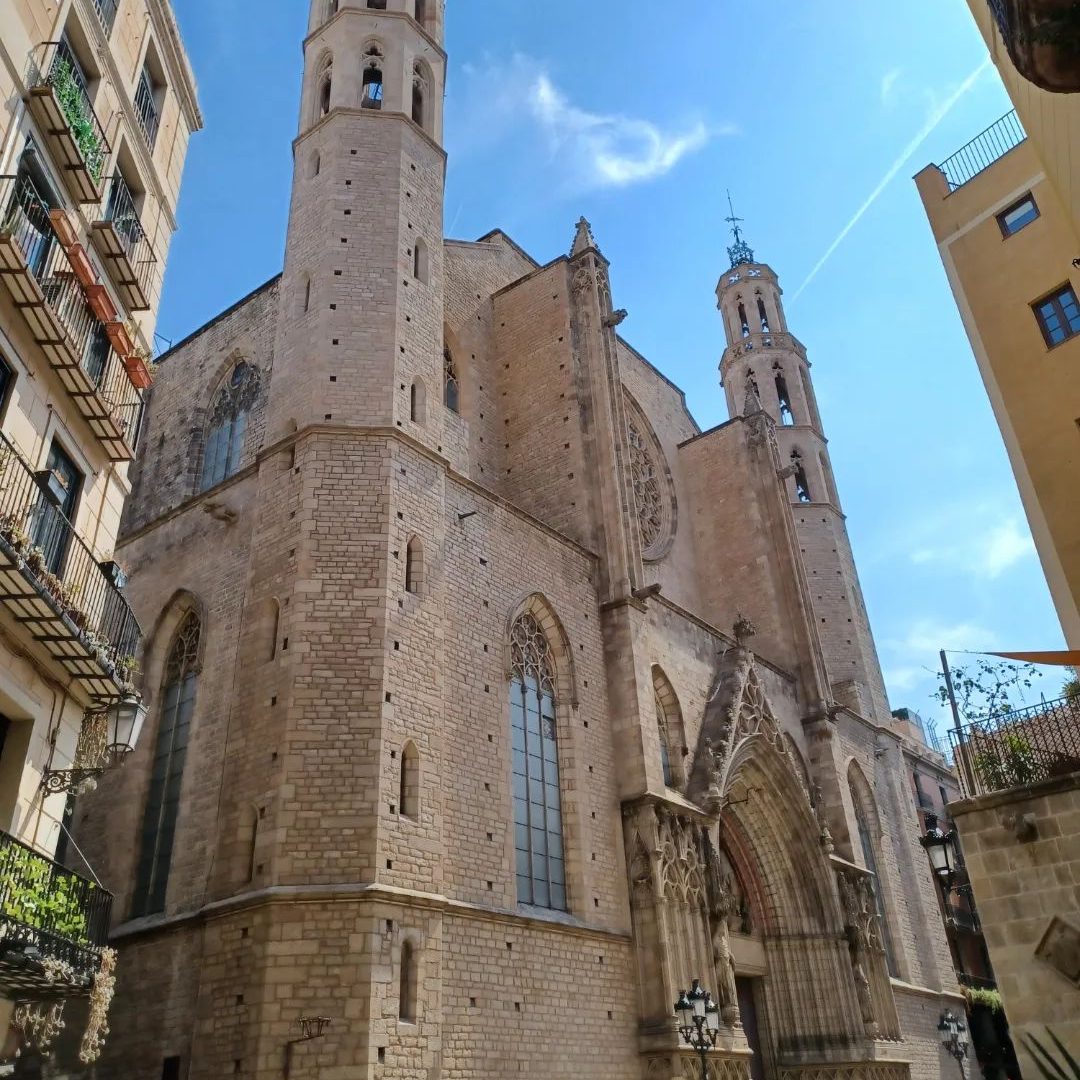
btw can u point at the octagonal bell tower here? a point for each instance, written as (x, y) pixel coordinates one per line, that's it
(766, 366)
(360, 335)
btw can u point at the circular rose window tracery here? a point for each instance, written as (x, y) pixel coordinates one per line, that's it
(653, 494)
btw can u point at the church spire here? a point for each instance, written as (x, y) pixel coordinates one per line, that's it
(583, 238)
(740, 252)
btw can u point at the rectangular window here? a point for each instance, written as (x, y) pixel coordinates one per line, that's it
(7, 378)
(147, 106)
(51, 528)
(170, 1069)
(1058, 315)
(1021, 213)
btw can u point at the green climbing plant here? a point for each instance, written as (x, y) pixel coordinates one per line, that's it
(76, 109)
(988, 999)
(32, 894)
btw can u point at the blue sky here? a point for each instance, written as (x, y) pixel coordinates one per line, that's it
(640, 116)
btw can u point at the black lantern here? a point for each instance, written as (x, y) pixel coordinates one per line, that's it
(954, 1035)
(941, 849)
(699, 1022)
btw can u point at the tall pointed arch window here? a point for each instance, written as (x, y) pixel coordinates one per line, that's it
(802, 484)
(862, 801)
(763, 315)
(228, 425)
(669, 727)
(541, 866)
(744, 322)
(665, 741)
(167, 773)
(787, 414)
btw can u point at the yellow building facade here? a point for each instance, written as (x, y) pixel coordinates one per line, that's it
(1004, 210)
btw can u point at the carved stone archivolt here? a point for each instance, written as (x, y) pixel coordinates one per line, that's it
(738, 711)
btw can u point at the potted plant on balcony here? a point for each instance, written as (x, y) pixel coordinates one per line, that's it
(76, 110)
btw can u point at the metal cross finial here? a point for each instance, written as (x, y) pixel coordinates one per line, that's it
(740, 252)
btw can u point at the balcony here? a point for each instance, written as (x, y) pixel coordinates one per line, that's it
(1019, 748)
(975, 982)
(60, 103)
(978, 155)
(754, 341)
(45, 286)
(146, 109)
(1042, 38)
(123, 244)
(47, 914)
(106, 13)
(53, 586)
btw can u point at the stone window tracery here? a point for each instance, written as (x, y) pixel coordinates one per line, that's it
(450, 382)
(228, 425)
(538, 838)
(653, 495)
(665, 740)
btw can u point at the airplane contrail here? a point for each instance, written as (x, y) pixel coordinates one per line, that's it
(932, 122)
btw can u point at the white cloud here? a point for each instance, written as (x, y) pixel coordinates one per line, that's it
(888, 84)
(977, 547)
(927, 636)
(613, 150)
(590, 149)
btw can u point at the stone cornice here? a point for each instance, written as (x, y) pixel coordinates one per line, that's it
(366, 894)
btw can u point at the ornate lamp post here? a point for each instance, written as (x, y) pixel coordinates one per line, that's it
(954, 1036)
(942, 851)
(699, 1022)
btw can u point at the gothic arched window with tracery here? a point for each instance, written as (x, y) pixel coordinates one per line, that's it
(648, 491)
(170, 753)
(228, 425)
(538, 837)
(451, 393)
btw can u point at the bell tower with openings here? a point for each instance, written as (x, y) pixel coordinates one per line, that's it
(766, 362)
(360, 334)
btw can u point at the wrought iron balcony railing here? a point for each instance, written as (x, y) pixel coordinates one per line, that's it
(121, 239)
(60, 99)
(46, 288)
(978, 155)
(146, 109)
(1020, 748)
(976, 982)
(54, 585)
(47, 913)
(106, 11)
(963, 918)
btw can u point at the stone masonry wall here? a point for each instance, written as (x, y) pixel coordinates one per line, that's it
(1022, 849)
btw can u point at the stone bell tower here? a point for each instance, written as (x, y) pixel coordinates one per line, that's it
(765, 366)
(360, 337)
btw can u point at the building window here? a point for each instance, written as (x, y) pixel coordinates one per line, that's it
(421, 12)
(372, 96)
(1058, 315)
(762, 315)
(744, 322)
(869, 850)
(419, 93)
(52, 518)
(420, 261)
(802, 485)
(1021, 213)
(228, 426)
(787, 415)
(149, 94)
(414, 565)
(170, 753)
(7, 380)
(170, 1068)
(450, 382)
(665, 742)
(538, 839)
(409, 786)
(407, 984)
(417, 402)
(670, 730)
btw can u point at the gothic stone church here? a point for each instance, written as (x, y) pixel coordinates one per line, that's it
(492, 700)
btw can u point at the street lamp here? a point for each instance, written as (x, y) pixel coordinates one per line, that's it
(942, 851)
(954, 1036)
(122, 722)
(699, 1022)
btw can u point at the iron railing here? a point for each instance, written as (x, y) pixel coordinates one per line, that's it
(975, 982)
(1019, 748)
(146, 109)
(64, 74)
(978, 155)
(120, 210)
(57, 561)
(106, 12)
(48, 912)
(26, 219)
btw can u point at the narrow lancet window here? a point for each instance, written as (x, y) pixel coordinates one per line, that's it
(450, 382)
(787, 416)
(744, 322)
(802, 485)
(540, 867)
(763, 315)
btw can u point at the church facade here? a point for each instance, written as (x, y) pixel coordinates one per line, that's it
(492, 700)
